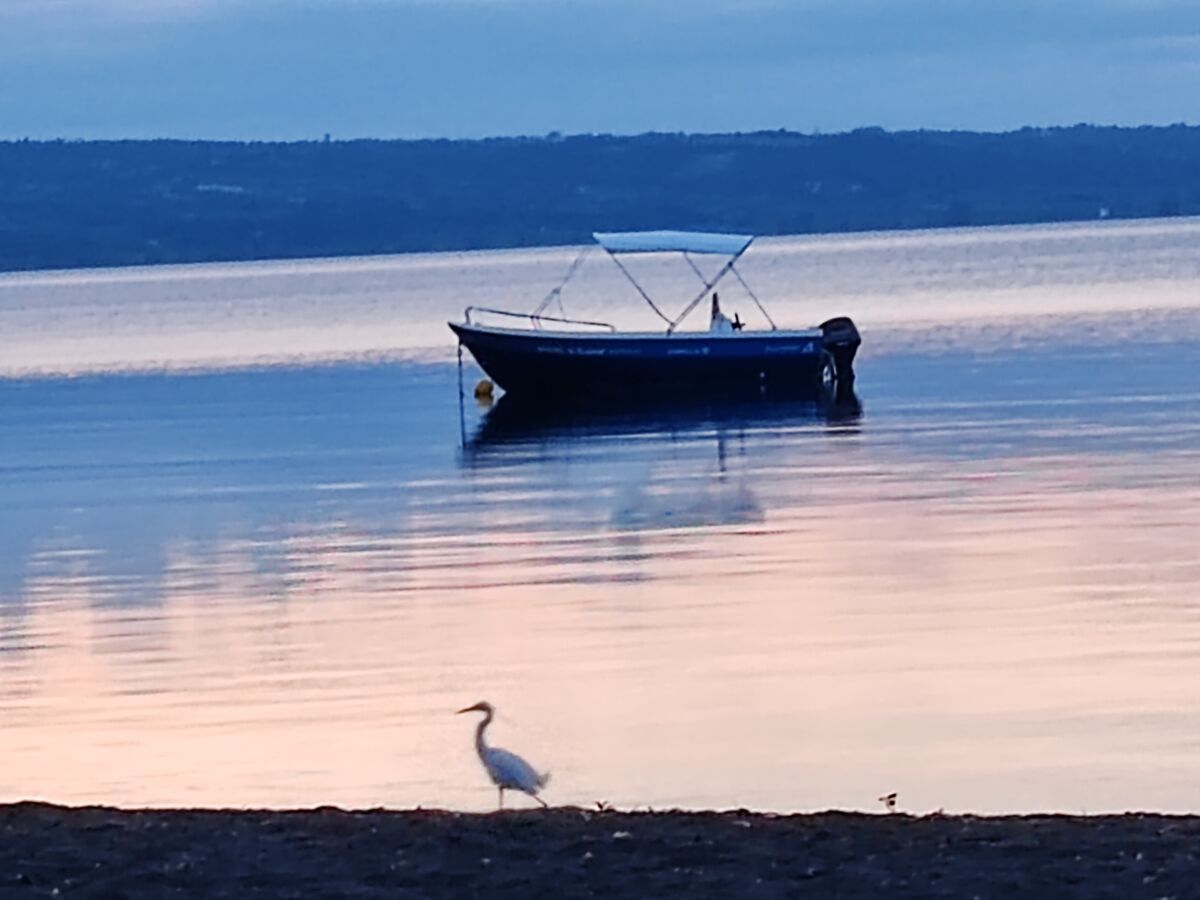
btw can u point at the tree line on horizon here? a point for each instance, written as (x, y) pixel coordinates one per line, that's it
(68, 204)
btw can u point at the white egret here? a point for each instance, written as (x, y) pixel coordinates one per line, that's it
(507, 770)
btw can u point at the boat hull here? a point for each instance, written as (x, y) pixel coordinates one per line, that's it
(568, 363)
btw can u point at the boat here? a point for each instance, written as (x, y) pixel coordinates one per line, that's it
(556, 357)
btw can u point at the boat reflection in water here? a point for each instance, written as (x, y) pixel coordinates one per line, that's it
(684, 464)
(524, 419)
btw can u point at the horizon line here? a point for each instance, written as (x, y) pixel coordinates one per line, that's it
(554, 136)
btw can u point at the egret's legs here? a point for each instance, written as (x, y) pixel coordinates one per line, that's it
(502, 798)
(540, 800)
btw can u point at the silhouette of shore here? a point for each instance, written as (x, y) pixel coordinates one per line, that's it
(102, 852)
(70, 204)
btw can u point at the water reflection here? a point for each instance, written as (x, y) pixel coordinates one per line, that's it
(274, 587)
(260, 588)
(688, 455)
(516, 419)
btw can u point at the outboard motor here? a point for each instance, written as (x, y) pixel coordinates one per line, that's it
(841, 340)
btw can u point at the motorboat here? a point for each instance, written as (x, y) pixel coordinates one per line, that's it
(555, 356)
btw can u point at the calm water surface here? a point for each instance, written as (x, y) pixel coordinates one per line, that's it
(252, 553)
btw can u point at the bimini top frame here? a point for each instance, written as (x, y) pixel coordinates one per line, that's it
(687, 243)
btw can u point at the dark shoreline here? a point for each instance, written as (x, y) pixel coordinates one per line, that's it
(86, 204)
(102, 852)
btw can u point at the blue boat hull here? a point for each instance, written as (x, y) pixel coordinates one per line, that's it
(550, 363)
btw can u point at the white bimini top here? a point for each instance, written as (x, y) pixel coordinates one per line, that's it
(673, 242)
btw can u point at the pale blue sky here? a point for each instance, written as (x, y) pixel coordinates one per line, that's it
(467, 68)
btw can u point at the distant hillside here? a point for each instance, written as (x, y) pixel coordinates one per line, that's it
(99, 203)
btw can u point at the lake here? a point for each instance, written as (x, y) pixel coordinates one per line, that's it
(255, 551)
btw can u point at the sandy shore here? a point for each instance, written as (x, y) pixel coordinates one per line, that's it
(98, 852)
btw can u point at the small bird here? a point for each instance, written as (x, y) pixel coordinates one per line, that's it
(507, 770)
(889, 800)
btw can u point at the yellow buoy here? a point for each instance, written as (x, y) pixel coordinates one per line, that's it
(484, 390)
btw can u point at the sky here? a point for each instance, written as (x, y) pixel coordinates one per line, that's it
(297, 69)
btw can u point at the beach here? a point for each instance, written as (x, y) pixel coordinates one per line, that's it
(570, 852)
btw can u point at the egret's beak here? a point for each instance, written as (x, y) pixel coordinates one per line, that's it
(475, 708)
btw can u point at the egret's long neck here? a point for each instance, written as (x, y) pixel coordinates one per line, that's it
(480, 743)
